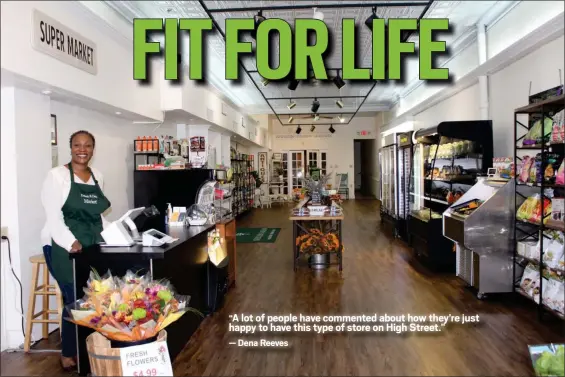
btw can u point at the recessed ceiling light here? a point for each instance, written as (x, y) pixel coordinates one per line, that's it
(118, 113)
(46, 92)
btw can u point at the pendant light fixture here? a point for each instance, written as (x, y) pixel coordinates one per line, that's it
(298, 130)
(312, 128)
(258, 19)
(265, 82)
(332, 130)
(341, 118)
(339, 104)
(373, 16)
(291, 104)
(338, 81)
(290, 119)
(315, 105)
(293, 84)
(316, 117)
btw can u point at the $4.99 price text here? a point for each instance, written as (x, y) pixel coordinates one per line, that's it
(147, 372)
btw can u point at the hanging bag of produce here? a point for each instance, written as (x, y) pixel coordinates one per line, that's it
(536, 134)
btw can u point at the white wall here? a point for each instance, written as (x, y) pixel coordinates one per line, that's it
(26, 158)
(113, 84)
(509, 89)
(462, 106)
(113, 153)
(339, 145)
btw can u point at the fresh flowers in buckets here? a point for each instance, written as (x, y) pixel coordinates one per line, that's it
(128, 309)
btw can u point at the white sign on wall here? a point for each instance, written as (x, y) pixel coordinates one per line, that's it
(62, 43)
(151, 359)
(263, 169)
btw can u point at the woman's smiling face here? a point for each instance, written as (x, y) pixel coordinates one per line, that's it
(82, 149)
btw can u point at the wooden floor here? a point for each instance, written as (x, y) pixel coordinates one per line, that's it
(380, 276)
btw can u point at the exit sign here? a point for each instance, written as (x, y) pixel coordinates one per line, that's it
(363, 133)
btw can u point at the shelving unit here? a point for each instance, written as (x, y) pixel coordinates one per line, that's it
(223, 202)
(446, 161)
(243, 193)
(523, 230)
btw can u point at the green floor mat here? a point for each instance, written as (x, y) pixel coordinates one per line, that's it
(256, 235)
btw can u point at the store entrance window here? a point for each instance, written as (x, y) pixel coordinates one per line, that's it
(296, 169)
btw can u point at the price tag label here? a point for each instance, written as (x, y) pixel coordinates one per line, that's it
(150, 359)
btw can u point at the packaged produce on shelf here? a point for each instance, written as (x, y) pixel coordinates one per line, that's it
(553, 294)
(530, 281)
(560, 176)
(537, 136)
(530, 210)
(551, 166)
(554, 250)
(504, 167)
(558, 131)
(557, 210)
(524, 175)
(524, 248)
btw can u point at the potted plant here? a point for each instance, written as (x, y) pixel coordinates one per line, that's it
(318, 245)
(258, 180)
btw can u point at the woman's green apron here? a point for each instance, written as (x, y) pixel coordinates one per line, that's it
(82, 214)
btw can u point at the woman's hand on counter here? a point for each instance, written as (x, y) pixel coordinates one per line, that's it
(76, 247)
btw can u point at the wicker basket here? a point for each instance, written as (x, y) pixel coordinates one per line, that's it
(105, 360)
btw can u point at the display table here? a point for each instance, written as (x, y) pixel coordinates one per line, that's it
(303, 224)
(184, 263)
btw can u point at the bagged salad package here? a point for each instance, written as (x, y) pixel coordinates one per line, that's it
(553, 294)
(554, 251)
(558, 131)
(536, 134)
(530, 278)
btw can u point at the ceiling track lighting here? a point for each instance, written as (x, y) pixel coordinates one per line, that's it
(338, 81)
(290, 119)
(298, 130)
(312, 128)
(341, 119)
(316, 117)
(339, 104)
(373, 16)
(291, 105)
(315, 105)
(265, 82)
(332, 129)
(293, 84)
(318, 15)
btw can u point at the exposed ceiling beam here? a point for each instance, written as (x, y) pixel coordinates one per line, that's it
(321, 6)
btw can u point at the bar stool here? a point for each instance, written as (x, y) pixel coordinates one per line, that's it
(45, 290)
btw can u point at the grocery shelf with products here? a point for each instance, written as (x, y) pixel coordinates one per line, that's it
(446, 161)
(539, 151)
(243, 192)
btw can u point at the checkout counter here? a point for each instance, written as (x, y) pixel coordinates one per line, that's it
(481, 223)
(184, 262)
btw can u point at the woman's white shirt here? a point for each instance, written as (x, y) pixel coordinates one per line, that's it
(56, 189)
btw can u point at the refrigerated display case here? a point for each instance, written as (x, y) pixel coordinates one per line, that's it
(388, 211)
(481, 224)
(447, 159)
(404, 163)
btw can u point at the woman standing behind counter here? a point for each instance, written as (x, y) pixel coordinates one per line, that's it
(74, 205)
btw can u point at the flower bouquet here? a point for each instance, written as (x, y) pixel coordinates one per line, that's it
(317, 242)
(128, 309)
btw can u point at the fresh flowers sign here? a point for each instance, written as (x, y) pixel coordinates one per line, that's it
(150, 359)
(128, 309)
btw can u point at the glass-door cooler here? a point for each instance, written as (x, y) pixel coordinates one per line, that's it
(388, 209)
(404, 165)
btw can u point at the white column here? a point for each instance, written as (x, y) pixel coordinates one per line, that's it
(26, 144)
(483, 80)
